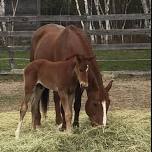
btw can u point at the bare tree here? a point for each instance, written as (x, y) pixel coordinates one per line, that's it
(98, 6)
(11, 28)
(79, 12)
(2, 24)
(87, 13)
(14, 8)
(106, 3)
(124, 23)
(146, 9)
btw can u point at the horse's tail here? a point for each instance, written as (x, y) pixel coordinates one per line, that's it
(45, 101)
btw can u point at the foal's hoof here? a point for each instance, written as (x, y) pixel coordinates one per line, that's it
(16, 134)
(75, 124)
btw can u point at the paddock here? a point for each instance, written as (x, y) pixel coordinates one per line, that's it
(128, 126)
(120, 37)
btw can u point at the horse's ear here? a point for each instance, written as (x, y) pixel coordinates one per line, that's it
(108, 87)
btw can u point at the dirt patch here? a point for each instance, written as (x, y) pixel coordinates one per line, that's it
(130, 93)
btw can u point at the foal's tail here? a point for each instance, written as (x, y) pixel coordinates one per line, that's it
(45, 101)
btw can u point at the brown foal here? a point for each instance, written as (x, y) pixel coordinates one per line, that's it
(59, 76)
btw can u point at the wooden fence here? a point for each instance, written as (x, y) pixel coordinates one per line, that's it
(86, 19)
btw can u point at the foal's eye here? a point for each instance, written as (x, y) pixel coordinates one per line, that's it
(95, 104)
(81, 70)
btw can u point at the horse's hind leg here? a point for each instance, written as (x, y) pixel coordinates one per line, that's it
(77, 105)
(23, 110)
(44, 102)
(35, 108)
(57, 108)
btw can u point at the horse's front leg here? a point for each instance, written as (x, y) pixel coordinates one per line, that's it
(77, 105)
(57, 108)
(35, 108)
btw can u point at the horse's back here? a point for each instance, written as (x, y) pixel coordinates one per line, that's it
(55, 42)
(43, 39)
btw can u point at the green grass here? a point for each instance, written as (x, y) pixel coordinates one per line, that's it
(127, 131)
(19, 64)
(104, 55)
(124, 55)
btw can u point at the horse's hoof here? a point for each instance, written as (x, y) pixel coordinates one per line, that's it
(62, 128)
(75, 124)
(58, 121)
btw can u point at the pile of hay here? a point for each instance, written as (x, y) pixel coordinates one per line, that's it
(127, 131)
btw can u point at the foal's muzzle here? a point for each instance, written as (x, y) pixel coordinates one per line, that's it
(83, 84)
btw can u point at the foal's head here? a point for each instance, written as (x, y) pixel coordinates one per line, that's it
(82, 69)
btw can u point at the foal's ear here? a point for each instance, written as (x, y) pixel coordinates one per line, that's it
(90, 57)
(108, 87)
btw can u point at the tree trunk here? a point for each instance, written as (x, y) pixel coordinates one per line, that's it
(97, 5)
(146, 10)
(79, 12)
(107, 2)
(87, 13)
(3, 24)
(10, 40)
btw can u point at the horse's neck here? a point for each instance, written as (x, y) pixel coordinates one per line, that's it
(96, 73)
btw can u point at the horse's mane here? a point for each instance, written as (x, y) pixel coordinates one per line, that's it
(82, 36)
(87, 46)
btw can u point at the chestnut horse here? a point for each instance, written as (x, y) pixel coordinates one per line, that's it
(61, 76)
(55, 43)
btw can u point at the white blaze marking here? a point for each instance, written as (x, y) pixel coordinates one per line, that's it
(17, 132)
(87, 68)
(104, 113)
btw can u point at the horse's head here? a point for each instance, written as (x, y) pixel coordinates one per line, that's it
(97, 105)
(82, 69)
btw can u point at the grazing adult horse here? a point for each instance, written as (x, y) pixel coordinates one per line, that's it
(55, 43)
(41, 73)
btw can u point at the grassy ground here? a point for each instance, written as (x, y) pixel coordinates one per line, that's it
(127, 131)
(104, 55)
(128, 128)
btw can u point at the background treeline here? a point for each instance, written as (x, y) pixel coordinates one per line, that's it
(82, 7)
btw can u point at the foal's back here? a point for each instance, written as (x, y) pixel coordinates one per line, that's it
(52, 75)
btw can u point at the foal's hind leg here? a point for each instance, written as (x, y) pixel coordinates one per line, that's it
(23, 110)
(77, 105)
(35, 108)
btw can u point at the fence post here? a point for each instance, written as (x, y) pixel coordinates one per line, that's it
(11, 52)
(86, 26)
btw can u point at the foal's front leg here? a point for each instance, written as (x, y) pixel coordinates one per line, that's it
(70, 102)
(67, 107)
